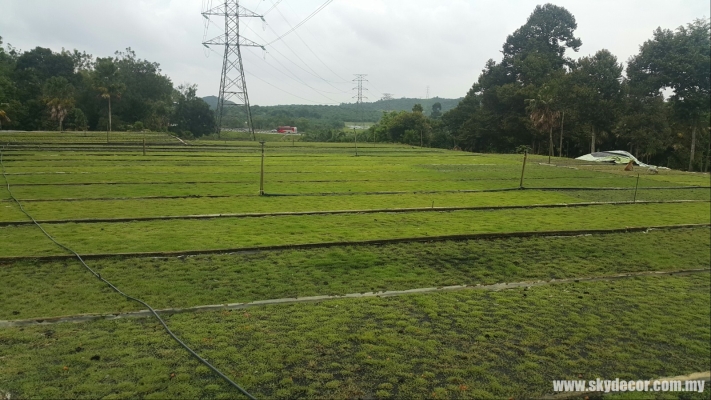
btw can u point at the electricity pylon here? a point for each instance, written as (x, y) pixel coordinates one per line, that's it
(360, 78)
(233, 84)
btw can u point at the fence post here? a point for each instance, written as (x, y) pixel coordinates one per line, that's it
(144, 146)
(261, 175)
(525, 156)
(635, 189)
(355, 135)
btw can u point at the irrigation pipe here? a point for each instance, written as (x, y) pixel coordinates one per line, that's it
(340, 212)
(117, 290)
(222, 196)
(317, 299)
(374, 242)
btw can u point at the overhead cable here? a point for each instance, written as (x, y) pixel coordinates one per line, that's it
(324, 5)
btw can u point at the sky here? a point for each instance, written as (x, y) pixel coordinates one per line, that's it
(409, 48)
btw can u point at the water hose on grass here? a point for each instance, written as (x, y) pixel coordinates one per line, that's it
(117, 290)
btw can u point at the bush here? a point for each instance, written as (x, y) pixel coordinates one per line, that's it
(138, 126)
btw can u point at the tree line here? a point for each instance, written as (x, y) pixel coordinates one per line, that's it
(538, 98)
(71, 90)
(321, 118)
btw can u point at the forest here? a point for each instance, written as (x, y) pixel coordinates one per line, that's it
(657, 107)
(45, 90)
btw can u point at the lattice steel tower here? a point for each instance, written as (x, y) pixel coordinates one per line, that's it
(360, 78)
(233, 85)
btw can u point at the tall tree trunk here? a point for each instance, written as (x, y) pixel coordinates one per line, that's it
(109, 113)
(61, 120)
(550, 145)
(693, 148)
(592, 143)
(560, 148)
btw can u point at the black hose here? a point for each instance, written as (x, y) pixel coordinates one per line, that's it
(117, 290)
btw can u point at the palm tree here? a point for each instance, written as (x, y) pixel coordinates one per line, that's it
(59, 97)
(544, 117)
(106, 81)
(3, 115)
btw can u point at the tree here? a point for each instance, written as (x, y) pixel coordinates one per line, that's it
(436, 111)
(3, 115)
(59, 96)
(106, 81)
(543, 114)
(192, 114)
(417, 108)
(493, 115)
(681, 61)
(597, 92)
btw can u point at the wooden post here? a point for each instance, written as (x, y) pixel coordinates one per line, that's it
(562, 121)
(635, 189)
(355, 135)
(550, 146)
(144, 146)
(261, 175)
(525, 156)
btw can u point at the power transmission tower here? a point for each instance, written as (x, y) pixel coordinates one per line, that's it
(427, 97)
(233, 84)
(360, 78)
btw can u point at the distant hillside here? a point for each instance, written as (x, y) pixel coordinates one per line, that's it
(324, 116)
(404, 104)
(212, 101)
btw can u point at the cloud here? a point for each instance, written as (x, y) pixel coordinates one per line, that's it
(403, 45)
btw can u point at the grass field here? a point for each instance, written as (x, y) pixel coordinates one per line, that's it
(464, 344)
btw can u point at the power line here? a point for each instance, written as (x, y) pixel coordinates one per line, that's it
(295, 77)
(310, 49)
(278, 88)
(274, 5)
(324, 5)
(314, 73)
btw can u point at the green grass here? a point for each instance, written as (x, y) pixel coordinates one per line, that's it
(456, 345)
(192, 206)
(468, 344)
(231, 233)
(220, 279)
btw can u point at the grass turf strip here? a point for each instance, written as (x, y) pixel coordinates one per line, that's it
(194, 281)
(451, 345)
(229, 233)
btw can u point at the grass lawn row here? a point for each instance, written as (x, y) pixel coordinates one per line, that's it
(231, 233)
(58, 210)
(220, 279)
(466, 344)
(300, 188)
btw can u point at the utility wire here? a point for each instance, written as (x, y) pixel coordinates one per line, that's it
(313, 73)
(319, 58)
(278, 88)
(274, 5)
(308, 47)
(324, 5)
(117, 290)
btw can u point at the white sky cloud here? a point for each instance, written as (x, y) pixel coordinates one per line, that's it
(403, 45)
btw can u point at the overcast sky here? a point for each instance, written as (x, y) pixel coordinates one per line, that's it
(403, 45)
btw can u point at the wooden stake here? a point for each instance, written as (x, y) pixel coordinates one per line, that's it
(635, 189)
(525, 156)
(261, 175)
